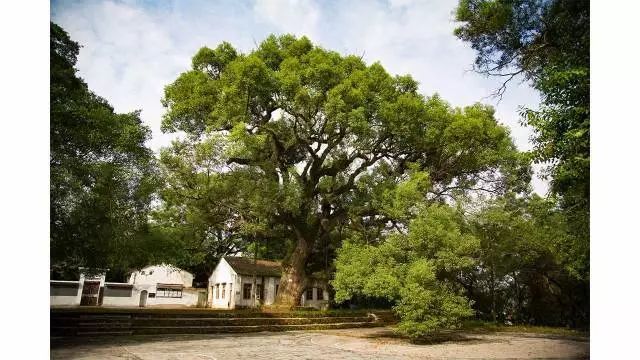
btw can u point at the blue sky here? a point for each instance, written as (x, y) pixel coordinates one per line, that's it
(132, 49)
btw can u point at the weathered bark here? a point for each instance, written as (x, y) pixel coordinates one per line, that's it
(293, 280)
(493, 294)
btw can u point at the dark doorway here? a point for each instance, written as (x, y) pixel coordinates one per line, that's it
(90, 293)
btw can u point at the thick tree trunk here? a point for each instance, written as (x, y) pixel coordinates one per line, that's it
(493, 296)
(293, 280)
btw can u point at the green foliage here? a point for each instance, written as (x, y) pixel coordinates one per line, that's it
(318, 146)
(426, 310)
(213, 62)
(528, 268)
(548, 43)
(102, 175)
(513, 259)
(414, 269)
(201, 202)
(194, 216)
(491, 327)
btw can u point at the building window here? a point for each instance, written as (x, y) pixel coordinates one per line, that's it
(217, 291)
(309, 293)
(246, 291)
(168, 293)
(224, 289)
(320, 293)
(277, 288)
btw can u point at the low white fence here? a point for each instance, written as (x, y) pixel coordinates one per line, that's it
(65, 292)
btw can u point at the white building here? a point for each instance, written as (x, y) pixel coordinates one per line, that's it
(164, 284)
(155, 285)
(231, 285)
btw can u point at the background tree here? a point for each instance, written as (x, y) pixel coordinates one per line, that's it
(201, 214)
(312, 137)
(527, 267)
(102, 175)
(547, 41)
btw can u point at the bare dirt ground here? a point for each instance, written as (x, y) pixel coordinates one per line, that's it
(375, 343)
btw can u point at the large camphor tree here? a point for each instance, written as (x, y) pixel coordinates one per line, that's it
(312, 141)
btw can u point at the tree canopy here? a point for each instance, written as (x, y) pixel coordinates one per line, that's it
(528, 265)
(312, 141)
(102, 174)
(547, 41)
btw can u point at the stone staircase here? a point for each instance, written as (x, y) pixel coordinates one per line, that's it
(72, 323)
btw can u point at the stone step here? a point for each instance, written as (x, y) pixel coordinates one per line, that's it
(104, 316)
(245, 321)
(113, 313)
(148, 330)
(207, 321)
(102, 333)
(197, 323)
(82, 320)
(73, 323)
(74, 330)
(103, 325)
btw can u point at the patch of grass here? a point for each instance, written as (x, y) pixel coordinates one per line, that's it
(471, 330)
(263, 312)
(487, 327)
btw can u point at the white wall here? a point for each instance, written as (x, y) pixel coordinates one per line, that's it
(241, 280)
(65, 293)
(164, 274)
(65, 297)
(113, 297)
(318, 304)
(223, 274)
(189, 298)
(69, 293)
(269, 290)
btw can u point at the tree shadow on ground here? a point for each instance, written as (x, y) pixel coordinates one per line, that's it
(460, 336)
(432, 339)
(456, 337)
(578, 338)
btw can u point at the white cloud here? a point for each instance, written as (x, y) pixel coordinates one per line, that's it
(289, 16)
(132, 49)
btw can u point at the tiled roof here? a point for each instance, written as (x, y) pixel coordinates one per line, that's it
(246, 266)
